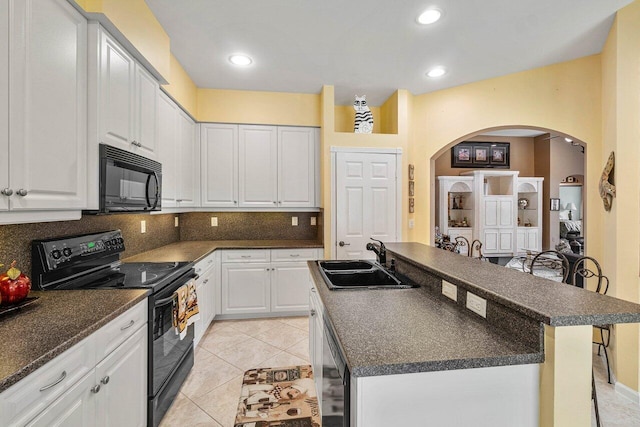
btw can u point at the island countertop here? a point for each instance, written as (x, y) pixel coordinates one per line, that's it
(56, 321)
(399, 331)
(546, 301)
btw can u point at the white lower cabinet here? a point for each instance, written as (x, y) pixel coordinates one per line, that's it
(85, 386)
(206, 288)
(316, 336)
(528, 239)
(266, 281)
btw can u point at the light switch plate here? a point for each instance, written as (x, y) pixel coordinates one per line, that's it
(294, 220)
(313, 220)
(449, 290)
(476, 304)
(143, 226)
(176, 221)
(411, 223)
(214, 221)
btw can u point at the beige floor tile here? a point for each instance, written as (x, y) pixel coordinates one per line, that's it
(254, 327)
(297, 322)
(207, 375)
(283, 336)
(282, 360)
(219, 325)
(216, 340)
(184, 412)
(300, 349)
(222, 402)
(247, 354)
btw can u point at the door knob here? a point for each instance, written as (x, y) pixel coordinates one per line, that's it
(105, 380)
(95, 388)
(6, 191)
(22, 192)
(341, 243)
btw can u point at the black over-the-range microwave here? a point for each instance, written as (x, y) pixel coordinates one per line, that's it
(128, 182)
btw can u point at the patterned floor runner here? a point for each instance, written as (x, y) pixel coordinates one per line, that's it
(278, 397)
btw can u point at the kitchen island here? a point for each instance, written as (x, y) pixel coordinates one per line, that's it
(416, 356)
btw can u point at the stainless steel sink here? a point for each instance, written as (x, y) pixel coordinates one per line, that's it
(358, 274)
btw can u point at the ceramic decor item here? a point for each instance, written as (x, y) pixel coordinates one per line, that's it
(364, 117)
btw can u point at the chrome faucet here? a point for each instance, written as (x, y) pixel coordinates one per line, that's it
(380, 253)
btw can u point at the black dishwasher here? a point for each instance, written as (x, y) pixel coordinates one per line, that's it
(335, 382)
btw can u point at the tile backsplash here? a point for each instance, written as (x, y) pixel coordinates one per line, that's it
(15, 239)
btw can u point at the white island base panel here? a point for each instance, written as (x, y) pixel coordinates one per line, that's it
(497, 396)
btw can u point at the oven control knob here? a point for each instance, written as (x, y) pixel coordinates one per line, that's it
(66, 252)
(114, 242)
(56, 254)
(120, 240)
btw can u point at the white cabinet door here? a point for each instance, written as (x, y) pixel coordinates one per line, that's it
(296, 166)
(188, 189)
(491, 241)
(219, 165)
(122, 399)
(506, 240)
(245, 288)
(4, 103)
(48, 104)
(506, 212)
(258, 166)
(75, 408)
(316, 336)
(205, 289)
(145, 108)
(116, 89)
(533, 239)
(290, 283)
(167, 149)
(521, 244)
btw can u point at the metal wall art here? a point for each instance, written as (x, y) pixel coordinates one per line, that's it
(606, 188)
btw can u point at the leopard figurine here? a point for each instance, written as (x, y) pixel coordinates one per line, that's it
(606, 189)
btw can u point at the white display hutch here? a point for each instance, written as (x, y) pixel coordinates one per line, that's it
(483, 205)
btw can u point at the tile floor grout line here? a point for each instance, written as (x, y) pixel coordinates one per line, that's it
(204, 410)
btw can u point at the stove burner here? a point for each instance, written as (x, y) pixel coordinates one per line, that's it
(157, 267)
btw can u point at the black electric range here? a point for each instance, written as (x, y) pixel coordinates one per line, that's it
(92, 261)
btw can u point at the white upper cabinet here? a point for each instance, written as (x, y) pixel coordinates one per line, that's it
(127, 99)
(296, 167)
(167, 148)
(258, 155)
(219, 165)
(43, 104)
(187, 157)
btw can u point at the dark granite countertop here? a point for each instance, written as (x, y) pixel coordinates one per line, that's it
(37, 333)
(194, 251)
(400, 331)
(546, 301)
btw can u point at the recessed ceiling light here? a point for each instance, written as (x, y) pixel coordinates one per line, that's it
(437, 72)
(240, 60)
(429, 16)
(568, 139)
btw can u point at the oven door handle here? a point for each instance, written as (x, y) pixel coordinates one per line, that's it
(165, 301)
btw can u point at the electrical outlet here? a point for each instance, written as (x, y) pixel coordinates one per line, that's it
(449, 290)
(294, 220)
(412, 223)
(214, 221)
(176, 221)
(143, 226)
(476, 304)
(313, 220)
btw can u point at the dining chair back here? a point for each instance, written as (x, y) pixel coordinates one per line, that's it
(463, 246)
(550, 260)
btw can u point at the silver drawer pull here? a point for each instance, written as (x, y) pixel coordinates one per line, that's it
(105, 380)
(205, 282)
(128, 326)
(294, 255)
(95, 389)
(312, 312)
(245, 256)
(56, 382)
(210, 261)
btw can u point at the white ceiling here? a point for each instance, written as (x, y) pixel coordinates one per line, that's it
(374, 47)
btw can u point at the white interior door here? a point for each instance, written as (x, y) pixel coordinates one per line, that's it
(366, 203)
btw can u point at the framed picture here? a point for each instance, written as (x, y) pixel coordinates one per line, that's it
(411, 205)
(411, 188)
(476, 154)
(411, 172)
(555, 205)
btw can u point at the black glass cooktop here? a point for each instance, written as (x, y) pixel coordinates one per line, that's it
(151, 274)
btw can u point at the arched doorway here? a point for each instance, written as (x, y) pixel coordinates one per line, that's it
(533, 152)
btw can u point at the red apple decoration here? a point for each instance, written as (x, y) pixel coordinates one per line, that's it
(14, 285)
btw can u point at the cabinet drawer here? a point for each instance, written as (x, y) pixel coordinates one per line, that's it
(25, 399)
(110, 336)
(294, 254)
(205, 264)
(249, 255)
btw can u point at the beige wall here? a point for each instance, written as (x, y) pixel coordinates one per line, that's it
(181, 88)
(620, 228)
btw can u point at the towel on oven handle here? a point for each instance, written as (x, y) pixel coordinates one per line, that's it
(185, 308)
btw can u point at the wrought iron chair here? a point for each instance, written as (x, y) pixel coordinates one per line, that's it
(462, 245)
(549, 260)
(476, 246)
(589, 270)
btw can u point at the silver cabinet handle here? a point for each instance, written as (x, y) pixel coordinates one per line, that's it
(136, 143)
(274, 202)
(210, 261)
(313, 290)
(95, 389)
(22, 192)
(128, 326)
(235, 201)
(312, 312)
(205, 282)
(6, 191)
(105, 380)
(294, 255)
(341, 243)
(280, 201)
(178, 200)
(245, 256)
(56, 382)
